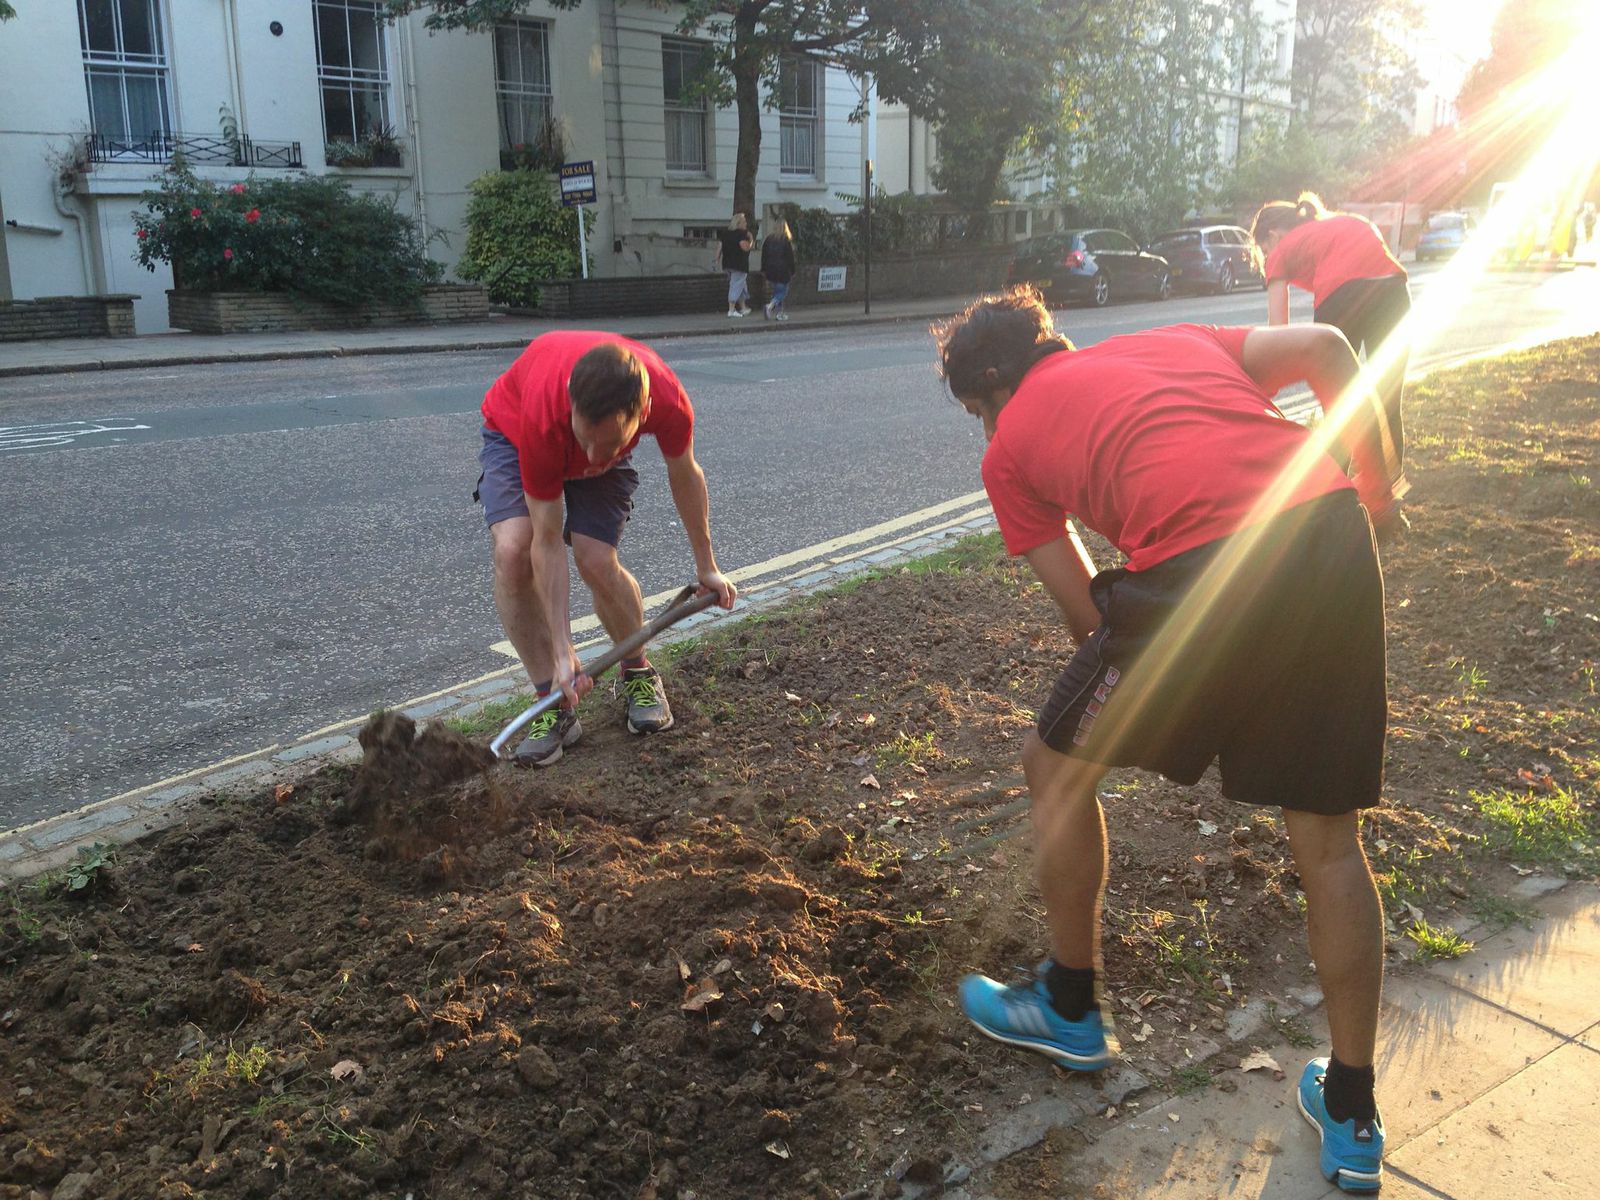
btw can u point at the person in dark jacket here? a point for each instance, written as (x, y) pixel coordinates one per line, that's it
(777, 266)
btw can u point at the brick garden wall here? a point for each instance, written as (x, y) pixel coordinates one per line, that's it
(274, 312)
(892, 279)
(65, 317)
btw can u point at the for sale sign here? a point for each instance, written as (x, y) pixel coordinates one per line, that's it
(577, 183)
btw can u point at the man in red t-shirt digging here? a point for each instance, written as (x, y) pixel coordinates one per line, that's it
(1246, 628)
(559, 429)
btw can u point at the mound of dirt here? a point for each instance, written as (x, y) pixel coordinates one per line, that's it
(424, 797)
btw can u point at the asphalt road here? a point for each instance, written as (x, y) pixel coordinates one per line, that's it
(201, 561)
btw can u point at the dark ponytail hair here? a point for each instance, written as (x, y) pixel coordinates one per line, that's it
(1009, 332)
(1280, 216)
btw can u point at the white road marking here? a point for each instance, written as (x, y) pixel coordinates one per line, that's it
(59, 433)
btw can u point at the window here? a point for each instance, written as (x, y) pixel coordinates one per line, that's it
(798, 90)
(352, 69)
(522, 81)
(682, 65)
(125, 67)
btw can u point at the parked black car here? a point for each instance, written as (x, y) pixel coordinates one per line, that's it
(1090, 266)
(1214, 258)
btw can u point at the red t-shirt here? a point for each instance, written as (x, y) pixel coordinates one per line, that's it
(530, 406)
(1159, 441)
(1322, 256)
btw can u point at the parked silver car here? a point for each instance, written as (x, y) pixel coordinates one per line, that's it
(1214, 258)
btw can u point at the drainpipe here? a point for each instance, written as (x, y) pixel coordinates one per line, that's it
(85, 259)
(414, 120)
(230, 16)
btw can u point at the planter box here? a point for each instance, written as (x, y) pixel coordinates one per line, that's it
(66, 316)
(273, 312)
(951, 273)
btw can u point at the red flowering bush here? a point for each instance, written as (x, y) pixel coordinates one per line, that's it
(309, 236)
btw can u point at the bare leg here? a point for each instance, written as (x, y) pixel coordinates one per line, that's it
(617, 600)
(515, 599)
(1344, 921)
(1069, 849)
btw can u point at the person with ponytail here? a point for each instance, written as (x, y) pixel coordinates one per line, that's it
(1246, 628)
(1357, 286)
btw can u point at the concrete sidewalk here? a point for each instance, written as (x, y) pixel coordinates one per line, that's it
(497, 333)
(1488, 1079)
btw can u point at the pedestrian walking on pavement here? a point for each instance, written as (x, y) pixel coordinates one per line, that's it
(777, 268)
(1246, 628)
(559, 430)
(733, 255)
(1358, 286)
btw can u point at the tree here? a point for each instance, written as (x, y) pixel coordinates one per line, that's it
(6, 11)
(1354, 82)
(750, 41)
(1144, 128)
(1526, 37)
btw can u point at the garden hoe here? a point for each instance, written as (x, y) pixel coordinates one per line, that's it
(684, 604)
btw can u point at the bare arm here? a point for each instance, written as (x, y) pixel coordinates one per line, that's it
(1278, 302)
(693, 502)
(551, 584)
(1319, 355)
(1065, 568)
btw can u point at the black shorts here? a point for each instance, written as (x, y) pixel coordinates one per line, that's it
(1280, 679)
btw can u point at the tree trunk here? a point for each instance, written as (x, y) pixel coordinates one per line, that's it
(747, 96)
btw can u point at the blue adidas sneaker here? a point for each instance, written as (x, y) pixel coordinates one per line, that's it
(1352, 1151)
(1021, 1015)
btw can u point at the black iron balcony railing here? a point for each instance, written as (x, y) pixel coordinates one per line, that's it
(196, 148)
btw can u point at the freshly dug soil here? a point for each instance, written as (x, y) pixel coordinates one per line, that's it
(720, 962)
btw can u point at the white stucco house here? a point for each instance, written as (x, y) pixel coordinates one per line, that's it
(96, 95)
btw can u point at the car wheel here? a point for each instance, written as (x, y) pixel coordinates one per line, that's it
(1225, 280)
(1164, 287)
(1101, 296)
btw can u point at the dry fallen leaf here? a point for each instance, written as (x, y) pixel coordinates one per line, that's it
(792, 698)
(778, 1148)
(1207, 828)
(870, 781)
(347, 1070)
(773, 1012)
(1259, 1060)
(700, 995)
(1144, 1033)
(683, 971)
(282, 792)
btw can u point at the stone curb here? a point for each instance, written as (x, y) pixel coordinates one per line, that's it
(31, 850)
(336, 351)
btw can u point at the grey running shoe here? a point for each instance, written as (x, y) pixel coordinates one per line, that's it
(648, 710)
(551, 732)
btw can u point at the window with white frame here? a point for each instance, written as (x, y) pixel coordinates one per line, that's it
(799, 116)
(522, 81)
(125, 67)
(352, 68)
(683, 63)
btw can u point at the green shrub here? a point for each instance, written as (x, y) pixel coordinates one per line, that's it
(309, 236)
(518, 234)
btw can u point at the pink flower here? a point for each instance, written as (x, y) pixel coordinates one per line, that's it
(252, 216)
(227, 252)
(140, 234)
(237, 189)
(194, 212)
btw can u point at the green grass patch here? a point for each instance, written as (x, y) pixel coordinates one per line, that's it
(1435, 943)
(1544, 827)
(1192, 1079)
(906, 748)
(977, 552)
(492, 717)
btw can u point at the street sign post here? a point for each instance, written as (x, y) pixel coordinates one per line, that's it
(577, 189)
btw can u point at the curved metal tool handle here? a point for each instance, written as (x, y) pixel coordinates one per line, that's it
(684, 604)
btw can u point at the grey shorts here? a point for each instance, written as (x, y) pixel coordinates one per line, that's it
(597, 507)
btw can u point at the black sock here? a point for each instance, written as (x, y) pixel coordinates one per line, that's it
(1347, 1092)
(1071, 990)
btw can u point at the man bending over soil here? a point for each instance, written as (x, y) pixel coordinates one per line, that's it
(1246, 628)
(559, 430)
